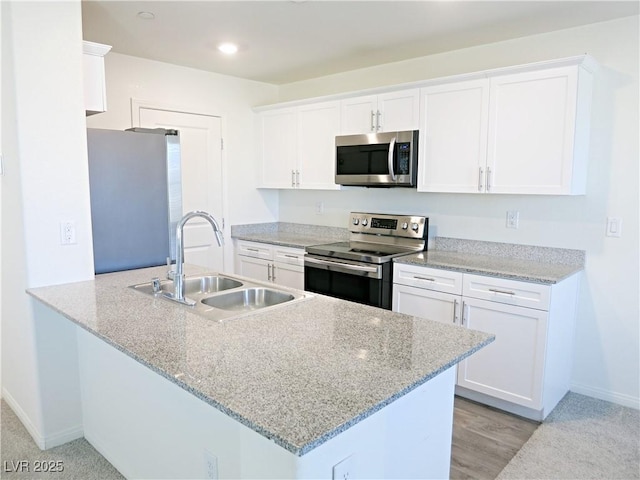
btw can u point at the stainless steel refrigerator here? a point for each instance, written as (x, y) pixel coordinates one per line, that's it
(136, 197)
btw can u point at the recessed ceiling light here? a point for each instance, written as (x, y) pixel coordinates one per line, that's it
(146, 15)
(228, 48)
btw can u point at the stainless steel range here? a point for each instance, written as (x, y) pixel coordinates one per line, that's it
(361, 270)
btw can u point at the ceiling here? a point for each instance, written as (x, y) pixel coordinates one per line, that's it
(287, 41)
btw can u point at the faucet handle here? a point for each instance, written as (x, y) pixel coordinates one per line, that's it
(155, 285)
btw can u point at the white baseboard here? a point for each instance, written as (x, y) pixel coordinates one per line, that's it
(43, 442)
(613, 397)
(99, 447)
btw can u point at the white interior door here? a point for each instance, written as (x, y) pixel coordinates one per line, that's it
(201, 152)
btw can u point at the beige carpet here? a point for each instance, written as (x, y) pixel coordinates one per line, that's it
(20, 456)
(583, 438)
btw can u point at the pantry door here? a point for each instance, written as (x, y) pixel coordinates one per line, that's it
(201, 153)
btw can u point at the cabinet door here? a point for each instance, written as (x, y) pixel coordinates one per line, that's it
(278, 148)
(453, 137)
(318, 125)
(511, 367)
(288, 275)
(253, 268)
(358, 114)
(95, 91)
(531, 132)
(441, 307)
(399, 111)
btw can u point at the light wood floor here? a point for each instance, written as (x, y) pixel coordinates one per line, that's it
(485, 440)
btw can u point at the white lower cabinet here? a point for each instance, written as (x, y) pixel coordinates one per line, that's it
(527, 369)
(511, 368)
(270, 263)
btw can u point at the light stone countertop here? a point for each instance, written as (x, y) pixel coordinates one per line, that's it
(526, 270)
(288, 372)
(285, 234)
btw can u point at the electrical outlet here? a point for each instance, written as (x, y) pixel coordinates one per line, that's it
(210, 465)
(67, 233)
(343, 470)
(513, 218)
(319, 208)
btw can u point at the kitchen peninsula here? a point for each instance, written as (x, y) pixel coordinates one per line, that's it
(287, 392)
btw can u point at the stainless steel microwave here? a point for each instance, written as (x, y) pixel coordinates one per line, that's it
(387, 159)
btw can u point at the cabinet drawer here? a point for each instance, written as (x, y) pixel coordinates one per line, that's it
(256, 250)
(428, 278)
(291, 256)
(512, 292)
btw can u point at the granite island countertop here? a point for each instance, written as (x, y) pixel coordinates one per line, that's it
(288, 372)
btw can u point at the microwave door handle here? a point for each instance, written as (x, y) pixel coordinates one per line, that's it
(392, 147)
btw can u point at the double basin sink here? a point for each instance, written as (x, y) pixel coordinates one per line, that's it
(219, 296)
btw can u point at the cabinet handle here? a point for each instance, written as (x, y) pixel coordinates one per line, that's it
(297, 178)
(378, 124)
(293, 178)
(488, 179)
(480, 176)
(505, 292)
(269, 271)
(455, 310)
(424, 278)
(373, 127)
(291, 256)
(273, 273)
(253, 249)
(464, 312)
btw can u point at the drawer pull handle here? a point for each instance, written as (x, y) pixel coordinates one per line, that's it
(506, 292)
(291, 256)
(424, 278)
(253, 249)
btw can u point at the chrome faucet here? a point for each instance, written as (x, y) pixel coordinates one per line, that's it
(178, 275)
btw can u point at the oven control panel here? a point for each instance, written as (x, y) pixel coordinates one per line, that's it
(393, 225)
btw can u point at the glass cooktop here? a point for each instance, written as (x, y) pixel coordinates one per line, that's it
(359, 251)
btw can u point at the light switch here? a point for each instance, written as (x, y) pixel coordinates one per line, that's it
(614, 227)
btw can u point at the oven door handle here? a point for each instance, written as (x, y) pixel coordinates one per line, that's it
(363, 270)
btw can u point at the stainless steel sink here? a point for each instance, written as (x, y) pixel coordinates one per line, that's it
(218, 296)
(194, 285)
(248, 299)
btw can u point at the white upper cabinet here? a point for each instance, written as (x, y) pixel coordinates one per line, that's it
(297, 146)
(536, 141)
(519, 133)
(278, 149)
(318, 125)
(453, 139)
(95, 93)
(387, 112)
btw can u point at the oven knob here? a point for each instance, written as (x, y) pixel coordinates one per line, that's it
(356, 221)
(405, 225)
(414, 227)
(364, 222)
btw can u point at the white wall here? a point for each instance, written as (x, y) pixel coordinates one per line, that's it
(607, 337)
(198, 91)
(45, 183)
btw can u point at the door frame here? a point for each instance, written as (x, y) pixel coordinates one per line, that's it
(137, 104)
